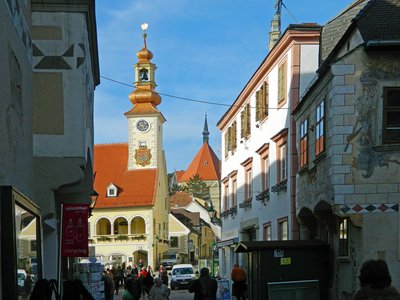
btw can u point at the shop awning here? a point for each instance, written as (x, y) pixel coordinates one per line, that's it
(263, 245)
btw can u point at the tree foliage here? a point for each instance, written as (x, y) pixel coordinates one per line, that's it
(197, 187)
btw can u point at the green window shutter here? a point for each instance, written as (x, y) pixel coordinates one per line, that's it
(259, 105)
(242, 123)
(234, 132)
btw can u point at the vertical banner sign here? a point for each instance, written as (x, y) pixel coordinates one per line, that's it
(74, 229)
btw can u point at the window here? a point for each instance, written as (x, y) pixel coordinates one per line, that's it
(174, 242)
(228, 145)
(319, 129)
(112, 191)
(263, 151)
(303, 143)
(245, 122)
(266, 173)
(226, 195)
(391, 115)
(283, 169)
(282, 154)
(247, 165)
(249, 181)
(344, 238)
(230, 139)
(267, 235)
(282, 84)
(234, 187)
(283, 229)
(262, 102)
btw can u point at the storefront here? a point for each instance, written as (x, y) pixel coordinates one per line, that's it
(21, 257)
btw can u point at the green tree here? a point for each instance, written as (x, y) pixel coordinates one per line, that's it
(197, 187)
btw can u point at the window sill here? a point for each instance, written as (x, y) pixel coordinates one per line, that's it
(303, 170)
(344, 259)
(320, 157)
(387, 148)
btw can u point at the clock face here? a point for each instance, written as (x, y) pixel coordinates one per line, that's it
(142, 125)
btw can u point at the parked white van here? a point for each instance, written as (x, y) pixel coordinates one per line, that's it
(181, 276)
(169, 259)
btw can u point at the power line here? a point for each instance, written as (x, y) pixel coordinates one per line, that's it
(185, 98)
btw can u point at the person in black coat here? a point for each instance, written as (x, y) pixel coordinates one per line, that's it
(205, 287)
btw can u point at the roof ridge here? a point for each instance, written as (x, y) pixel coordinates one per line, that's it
(345, 10)
(110, 144)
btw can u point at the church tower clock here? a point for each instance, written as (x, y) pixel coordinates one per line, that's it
(144, 119)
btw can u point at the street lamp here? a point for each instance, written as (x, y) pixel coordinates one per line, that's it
(212, 213)
(93, 199)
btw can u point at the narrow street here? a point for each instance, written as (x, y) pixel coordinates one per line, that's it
(175, 295)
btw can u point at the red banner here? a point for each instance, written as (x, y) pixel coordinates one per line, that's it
(74, 228)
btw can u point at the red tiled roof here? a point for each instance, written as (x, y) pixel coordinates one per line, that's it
(135, 188)
(206, 164)
(179, 175)
(180, 199)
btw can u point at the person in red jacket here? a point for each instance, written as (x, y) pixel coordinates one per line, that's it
(239, 287)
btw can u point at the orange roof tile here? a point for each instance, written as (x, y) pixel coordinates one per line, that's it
(135, 188)
(179, 175)
(205, 163)
(180, 199)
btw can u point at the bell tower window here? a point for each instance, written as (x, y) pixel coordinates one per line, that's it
(144, 75)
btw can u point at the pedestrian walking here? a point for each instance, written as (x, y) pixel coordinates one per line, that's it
(132, 288)
(205, 287)
(375, 282)
(239, 287)
(108, 285)
(159, 291)
(163, 274)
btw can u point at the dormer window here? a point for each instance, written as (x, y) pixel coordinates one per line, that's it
(112, 191)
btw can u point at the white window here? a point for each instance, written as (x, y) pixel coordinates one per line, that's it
(112, 191)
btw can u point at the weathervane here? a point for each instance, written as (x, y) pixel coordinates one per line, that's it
(144, 28)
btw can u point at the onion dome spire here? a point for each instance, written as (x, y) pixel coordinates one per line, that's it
(144, 98)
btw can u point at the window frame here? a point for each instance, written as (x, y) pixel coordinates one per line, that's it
(225, 183)
(281, 140)
(262, 97)
(245, 118)
(177, 241)
(248, 178)
(320, 128)
(385, 110)
(282, 83)
(263, 151)
(267, 228)
(303, 144)
(343, 237)
(280, 222)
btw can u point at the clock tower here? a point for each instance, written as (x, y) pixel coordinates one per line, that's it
(144, 119)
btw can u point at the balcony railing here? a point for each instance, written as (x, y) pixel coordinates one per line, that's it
(246, 203)
(263, 197)
(118, 238)
(280, 187)
(231, 211)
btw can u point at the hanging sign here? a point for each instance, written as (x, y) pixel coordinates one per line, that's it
(74, 230)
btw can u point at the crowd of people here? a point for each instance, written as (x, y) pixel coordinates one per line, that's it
(136, 282)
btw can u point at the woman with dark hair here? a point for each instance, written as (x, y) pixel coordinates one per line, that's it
(375, 281)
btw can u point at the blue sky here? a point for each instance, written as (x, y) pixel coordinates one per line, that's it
(204, 50)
